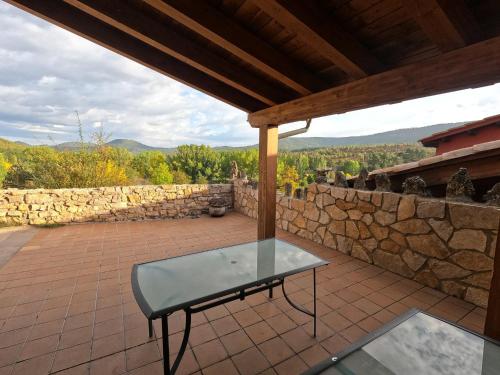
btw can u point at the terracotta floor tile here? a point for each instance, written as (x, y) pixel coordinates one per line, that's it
(335, 344)
(313, 355)
(9, 354)
(108, 345)
(367, 306)
(276, 350)
(236, 342)
(78, 321)
(40, 330)
(201, 334)
(113, 364)
(14, 337)
(34, 348)
(71, 357)
(35, 366)
(352, 313)
(107, 328)
(142, 355)
(225, 325)
(292, 366)
(52, 314)
(222, 368)
(370, 324)
(260, 332)
(216, 312)
(281, 323)
(209, 353)
(298, 339)
(267, 310)
(353, 333)
(247, 317)
(250, 362)
(336, 321)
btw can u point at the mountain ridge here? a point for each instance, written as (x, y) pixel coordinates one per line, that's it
(398, 136)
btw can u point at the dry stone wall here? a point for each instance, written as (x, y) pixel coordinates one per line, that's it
(445, 245)
(120, 203)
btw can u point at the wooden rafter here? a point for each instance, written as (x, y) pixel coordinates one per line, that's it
(472, 66)
(80, 23)
(306, 20)
(213, 25)
(121, 15)
(448, 23)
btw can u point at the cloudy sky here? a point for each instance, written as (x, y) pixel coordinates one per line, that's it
(46, 74)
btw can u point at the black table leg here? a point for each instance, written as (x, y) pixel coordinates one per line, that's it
(150, 327)
(166, 349)
(314, 301)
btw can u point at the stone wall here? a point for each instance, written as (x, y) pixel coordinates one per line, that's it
(445, 245)
(108, 203)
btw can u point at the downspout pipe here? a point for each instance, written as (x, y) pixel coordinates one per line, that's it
(296, 131)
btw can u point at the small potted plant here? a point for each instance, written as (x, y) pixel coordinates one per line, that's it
(217, 207)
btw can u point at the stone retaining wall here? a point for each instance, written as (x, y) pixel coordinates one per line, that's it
(445, 245)
(121, 203)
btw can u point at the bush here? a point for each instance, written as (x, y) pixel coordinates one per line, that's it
(180, 178)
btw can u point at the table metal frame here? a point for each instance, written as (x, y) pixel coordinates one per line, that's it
(207, 302)
(336, 358)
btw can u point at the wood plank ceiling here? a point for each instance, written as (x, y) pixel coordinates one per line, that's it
(268, 57)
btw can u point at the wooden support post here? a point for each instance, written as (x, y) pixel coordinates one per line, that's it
(492, 325)
(268, 159)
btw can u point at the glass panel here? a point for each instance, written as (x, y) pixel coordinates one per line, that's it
(171, 282)
(423, 345)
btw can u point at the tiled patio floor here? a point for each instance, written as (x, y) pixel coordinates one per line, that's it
(66, 304)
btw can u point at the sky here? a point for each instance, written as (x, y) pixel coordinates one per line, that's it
(47, 73)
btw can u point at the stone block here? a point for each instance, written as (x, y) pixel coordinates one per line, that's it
(312, 225)
(337, 227)
(351, 230)
(339, 193)
(390, 202)
(311, 212)
(427, 208)
(398, 238)
(364, 232)
(406, 208)
(344, 244)
(390, 246)
(412, 226)
(392, 262)
(447, 270)
(355, 214)
(473, 260)
(370, 244)
(477, 296)
(379, 232)
(442, 228)
(336, 213)
(426, 277)
(324, 218)
(428, 244)
(453, 288)
(365, 207)
(481, 279)
(413, 260)
(367, 219)
(330, 240)
(469, 239)
(473, 216)
(299, 222)
(384, 218)
(359, 252)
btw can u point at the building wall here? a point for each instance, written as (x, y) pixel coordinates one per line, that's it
(42, 206)
(445, 245)
(462, 140)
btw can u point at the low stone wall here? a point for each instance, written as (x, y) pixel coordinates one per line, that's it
(42, 206)
(445, 245)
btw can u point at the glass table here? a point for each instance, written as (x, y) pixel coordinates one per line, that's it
(197, 282)
(414, 344)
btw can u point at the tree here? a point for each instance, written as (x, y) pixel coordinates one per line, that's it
(152, 166)
(180, 178)
(287, 174)
(351, 167)
(196, 162)
(161, 175)
(4, 168)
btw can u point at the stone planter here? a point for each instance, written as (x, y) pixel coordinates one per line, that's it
(216, 211)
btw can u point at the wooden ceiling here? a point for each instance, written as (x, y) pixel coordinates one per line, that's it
(288, 60)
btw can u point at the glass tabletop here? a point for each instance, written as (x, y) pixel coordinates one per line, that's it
(171, 284)
(422, 345)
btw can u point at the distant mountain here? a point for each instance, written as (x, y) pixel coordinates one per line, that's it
(399, 136)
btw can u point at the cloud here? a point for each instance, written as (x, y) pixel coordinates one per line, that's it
(47, 73)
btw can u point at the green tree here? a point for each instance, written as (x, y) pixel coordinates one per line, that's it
(4, 168)
(196, 162)
(180, 178)
(351, 167)
(161, 175)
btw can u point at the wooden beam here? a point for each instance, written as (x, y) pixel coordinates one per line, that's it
(82, 24)
(448, 23)
(213, 25)
(323, 34)
(472, 66)
(268, 160)
(492, 324)
(131, 20)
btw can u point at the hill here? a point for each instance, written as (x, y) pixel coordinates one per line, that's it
(399, 136)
